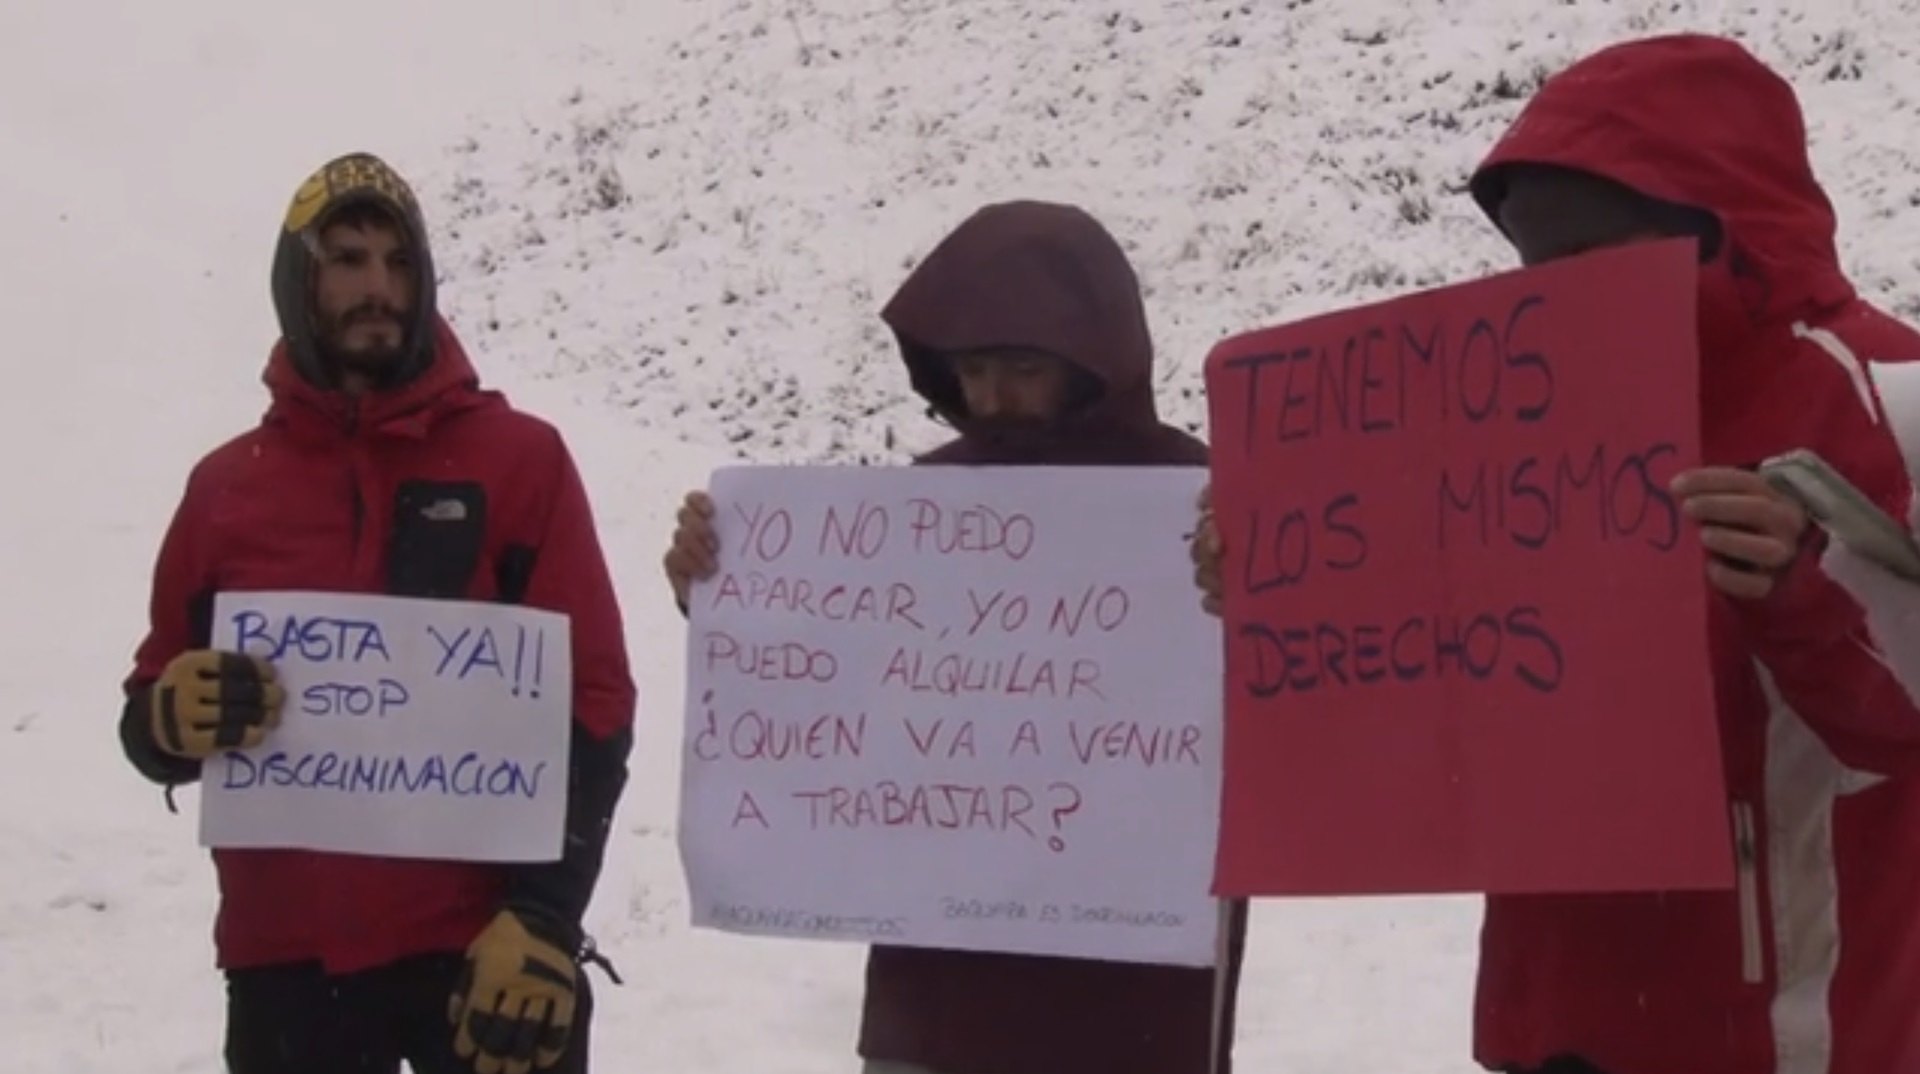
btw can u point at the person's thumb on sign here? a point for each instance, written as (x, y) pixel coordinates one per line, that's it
(1204, 547)
(1751, 531)
(206, 701)
(694, 553)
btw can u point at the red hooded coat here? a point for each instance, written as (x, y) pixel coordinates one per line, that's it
(349, 494)
(1811, 965)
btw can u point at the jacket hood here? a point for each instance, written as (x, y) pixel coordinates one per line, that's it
(354, 179)
(1039, 276)
(1698, 122)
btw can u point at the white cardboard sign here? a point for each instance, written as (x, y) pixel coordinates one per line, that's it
(955, 707)
(412, 728)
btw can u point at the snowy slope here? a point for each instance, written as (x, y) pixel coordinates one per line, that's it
(669, 226)
(704, 234)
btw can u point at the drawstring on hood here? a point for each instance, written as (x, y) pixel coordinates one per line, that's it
(354, 179)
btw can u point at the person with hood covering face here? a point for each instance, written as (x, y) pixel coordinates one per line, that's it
(1025, 331)
(1811, 963)
(382, 467)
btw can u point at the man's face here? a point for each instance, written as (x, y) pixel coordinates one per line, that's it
(1012, 389)
(1554, 214)
(363, 294)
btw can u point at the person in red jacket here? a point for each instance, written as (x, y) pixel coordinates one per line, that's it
(1811, 964)
(1025, 331)
(382, 467)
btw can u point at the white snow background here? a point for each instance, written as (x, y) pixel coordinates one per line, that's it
(668, 226)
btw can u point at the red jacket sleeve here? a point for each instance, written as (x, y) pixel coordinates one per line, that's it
(179, 617)
(570, 576)
(1812, 635)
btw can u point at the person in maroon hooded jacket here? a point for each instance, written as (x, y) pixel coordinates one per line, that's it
(1811, 963)
(382, 467)
(1025, 331)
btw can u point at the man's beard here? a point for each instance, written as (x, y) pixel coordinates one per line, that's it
(378, 363)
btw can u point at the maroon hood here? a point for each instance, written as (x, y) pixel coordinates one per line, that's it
(1050, 278)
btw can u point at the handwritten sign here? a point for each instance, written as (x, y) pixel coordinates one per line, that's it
(412, 728)
(1466, 621)
(957, 707)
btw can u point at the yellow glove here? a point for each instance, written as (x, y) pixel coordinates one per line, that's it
(512, 1008)
(206, 701)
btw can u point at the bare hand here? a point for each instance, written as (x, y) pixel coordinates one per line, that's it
(695, 551)
(1205, 550)
(1751, 530)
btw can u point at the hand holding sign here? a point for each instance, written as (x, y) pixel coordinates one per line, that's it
(693, 554)
(206, 701)
(1750, 529)
(1204, 548)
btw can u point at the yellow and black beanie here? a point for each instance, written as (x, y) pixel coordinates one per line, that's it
(354, 179)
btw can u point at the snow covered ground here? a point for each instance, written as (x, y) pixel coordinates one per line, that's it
(668, 225)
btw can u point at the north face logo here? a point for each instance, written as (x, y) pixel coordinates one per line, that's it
(444, 511)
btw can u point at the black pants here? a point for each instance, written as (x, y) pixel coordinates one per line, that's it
(294, 1019)
(1559, 1064)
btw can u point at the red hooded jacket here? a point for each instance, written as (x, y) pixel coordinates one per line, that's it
(1811, 965)
(331, 493)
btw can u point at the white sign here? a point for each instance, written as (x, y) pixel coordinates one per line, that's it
(1899, 386)
(412, 728)
(956, 707)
